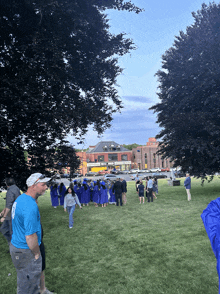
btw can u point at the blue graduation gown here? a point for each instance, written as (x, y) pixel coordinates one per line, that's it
(62, 194)
(77, 190)
(103, 196)
(211, 220)
(95, 194)
(54, 196)
(85, 196)
(88, 198)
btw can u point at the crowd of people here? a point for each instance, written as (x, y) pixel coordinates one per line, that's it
(100, 193)
(150, 188)
(21, 225)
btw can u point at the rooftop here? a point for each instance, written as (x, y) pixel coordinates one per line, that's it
(107, 146)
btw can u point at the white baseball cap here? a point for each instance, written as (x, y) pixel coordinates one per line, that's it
(37, 178)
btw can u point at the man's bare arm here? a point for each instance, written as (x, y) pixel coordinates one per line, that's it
(4, 213)
(32, 243)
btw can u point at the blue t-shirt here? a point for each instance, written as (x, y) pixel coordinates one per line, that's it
(25, 221)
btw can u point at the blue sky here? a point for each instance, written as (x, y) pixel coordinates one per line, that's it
(153, 31)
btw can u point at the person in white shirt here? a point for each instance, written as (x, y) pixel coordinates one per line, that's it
(70, 201)
(150, 189)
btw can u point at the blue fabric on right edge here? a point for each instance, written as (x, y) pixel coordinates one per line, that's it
(211, 221)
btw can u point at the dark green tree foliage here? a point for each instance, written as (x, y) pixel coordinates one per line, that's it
(65, 156)
(54, 159)
(189, 110)
(58, 71)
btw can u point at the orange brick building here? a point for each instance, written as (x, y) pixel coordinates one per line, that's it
(145, 157)
(107, 155)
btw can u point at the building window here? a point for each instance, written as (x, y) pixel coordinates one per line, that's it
(145, 156)
(100, 158)
(162, 163)
(124, 157)
(154, 159)
(112, 157)
(112, 147)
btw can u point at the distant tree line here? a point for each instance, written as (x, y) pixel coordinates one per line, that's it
(131, 146)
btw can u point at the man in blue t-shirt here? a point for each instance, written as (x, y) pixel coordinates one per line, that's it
(26, 236)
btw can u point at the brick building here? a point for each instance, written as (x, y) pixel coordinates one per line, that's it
(107, 155)
(146, 157)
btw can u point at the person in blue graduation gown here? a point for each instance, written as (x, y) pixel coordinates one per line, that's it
(112, 195)
(79, 191)
(211, 221)
(91, 186)
(95, 194)
(86, 182)
(54, 195)
(75, 186)
(88, 194)
(103, 194)
(61, 191)
(85, 194)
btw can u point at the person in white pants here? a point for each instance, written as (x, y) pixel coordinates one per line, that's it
(187, 185)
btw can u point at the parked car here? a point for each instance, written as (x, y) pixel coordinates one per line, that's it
(115, 172)
(97, 175)
(103, 172)
(144, 171)
(159, 176)
(76, 175)
(134, 170)
(133, 176)
(124, 172)
(166, 169)
(90, 174)
(110, 177)
(180, 174)
(155, 170)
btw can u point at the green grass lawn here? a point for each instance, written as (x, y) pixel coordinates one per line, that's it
(159, 247)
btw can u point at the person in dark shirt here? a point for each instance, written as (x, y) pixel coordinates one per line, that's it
(5, 216)
(141, 190)
(117, 189)
(124, 191)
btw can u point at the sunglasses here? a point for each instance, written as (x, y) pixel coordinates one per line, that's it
(40, 178)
